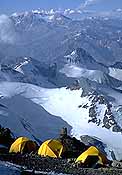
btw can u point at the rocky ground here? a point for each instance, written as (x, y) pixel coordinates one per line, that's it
(45, 165)
(66, 166)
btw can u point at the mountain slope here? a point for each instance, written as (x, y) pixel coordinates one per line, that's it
(87, 115)
(30, 119)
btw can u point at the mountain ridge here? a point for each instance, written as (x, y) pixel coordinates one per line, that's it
(65, 71)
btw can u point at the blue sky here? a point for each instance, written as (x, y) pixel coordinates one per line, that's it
(10, 6)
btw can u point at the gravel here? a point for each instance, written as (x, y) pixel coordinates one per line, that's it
(64, 166)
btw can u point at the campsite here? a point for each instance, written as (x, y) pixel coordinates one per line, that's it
(64, 154)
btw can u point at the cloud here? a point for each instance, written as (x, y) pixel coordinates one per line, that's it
(88, 3)
(7, 31)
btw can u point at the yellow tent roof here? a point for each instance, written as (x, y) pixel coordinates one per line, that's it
(51, 148)
(92, 151)
(20, 144)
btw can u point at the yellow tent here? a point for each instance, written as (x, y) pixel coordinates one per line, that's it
(51, 148)
(92, 152)
(23, 145)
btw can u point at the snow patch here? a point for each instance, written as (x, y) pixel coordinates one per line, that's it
(74, 71)
(116, 73)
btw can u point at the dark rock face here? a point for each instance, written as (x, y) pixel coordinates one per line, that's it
(74, 86)
(108, 120)
(117, 65)
(52, 71)
(72, 147)
(84, 59)
(83, 56)
(6, 137)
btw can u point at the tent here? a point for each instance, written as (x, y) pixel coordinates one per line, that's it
(23, 145)
(51, 148)
(91, 156)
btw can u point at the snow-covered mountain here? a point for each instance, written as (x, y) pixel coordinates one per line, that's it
(84, 59)
(81, 64)
(49, 35)
(62, 68)
(25, 69)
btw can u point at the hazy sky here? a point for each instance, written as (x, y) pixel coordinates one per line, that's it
(10, 6)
